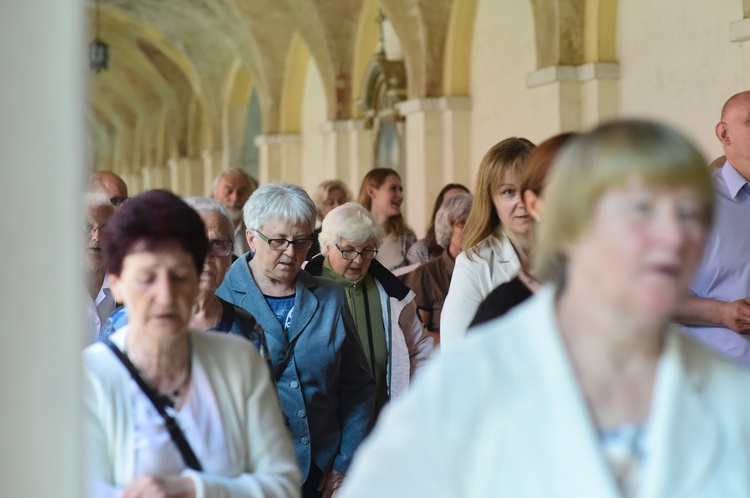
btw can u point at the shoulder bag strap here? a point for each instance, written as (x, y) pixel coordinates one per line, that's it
(159, 402)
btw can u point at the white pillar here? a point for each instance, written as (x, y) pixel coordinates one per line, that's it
(42, 53)
(214, 161)
(584, 95)
(280, 157)
(186, 176)
(437, 151)
(349, 152)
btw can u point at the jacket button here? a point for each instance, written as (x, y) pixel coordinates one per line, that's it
(304, 440)
(301, 414)
(294, 384)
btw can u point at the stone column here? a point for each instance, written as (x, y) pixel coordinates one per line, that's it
(214, 160)
(156, 177)
(280, 157)
(42, 151)
(186, 176)
(437, 151)
(584, 95)
(349, 151)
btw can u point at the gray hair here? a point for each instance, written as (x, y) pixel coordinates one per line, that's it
(282, 201)
(204, 205)
(451, 210)
(251, 182)
(351, 222)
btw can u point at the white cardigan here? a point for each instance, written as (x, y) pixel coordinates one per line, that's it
(472, 281)
(409, 347)
(259, 444)
(504, 416)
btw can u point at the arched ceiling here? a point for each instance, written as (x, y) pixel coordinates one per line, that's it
(175, 64)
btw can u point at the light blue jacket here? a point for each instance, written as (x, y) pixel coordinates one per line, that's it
(326, 390)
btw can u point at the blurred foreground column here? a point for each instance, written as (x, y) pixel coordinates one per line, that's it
(42, 168)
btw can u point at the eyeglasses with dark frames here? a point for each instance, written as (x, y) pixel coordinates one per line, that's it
(117, 201)
(302, 244)
(350, 254)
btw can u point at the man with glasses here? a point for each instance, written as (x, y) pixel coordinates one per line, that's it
(99, 300)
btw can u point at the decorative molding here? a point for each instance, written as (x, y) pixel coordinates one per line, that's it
(584, 72)
(437, 104)
(343, 125)
(739, 31)
(278, 139)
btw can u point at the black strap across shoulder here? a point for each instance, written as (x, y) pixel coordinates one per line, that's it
(160, 403)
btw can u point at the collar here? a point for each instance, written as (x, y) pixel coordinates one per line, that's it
(392, 285)
(733, 179)
(331, 274)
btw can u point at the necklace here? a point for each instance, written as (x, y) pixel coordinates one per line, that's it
(177, 391)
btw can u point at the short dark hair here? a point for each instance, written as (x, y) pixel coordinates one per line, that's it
(154, 219)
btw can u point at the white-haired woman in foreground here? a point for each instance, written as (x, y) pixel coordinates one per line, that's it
(394, 340)
(585, 389)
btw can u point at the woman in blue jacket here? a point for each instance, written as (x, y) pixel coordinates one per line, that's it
(325, 386)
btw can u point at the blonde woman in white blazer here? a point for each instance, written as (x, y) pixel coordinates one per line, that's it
(586, 389)
(496, 238)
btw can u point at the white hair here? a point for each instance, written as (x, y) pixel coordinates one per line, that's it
(204, 205)
(350, 222)
(279, 201)
(451, 210)
(251, 182)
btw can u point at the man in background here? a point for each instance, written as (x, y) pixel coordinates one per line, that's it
(231, 188)
(717, 312)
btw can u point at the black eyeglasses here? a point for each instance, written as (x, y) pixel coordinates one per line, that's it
(219, 248)
(116, 201)
(350, 254)
(302, 244)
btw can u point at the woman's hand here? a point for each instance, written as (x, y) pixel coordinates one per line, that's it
(148, 486)
(330, 483)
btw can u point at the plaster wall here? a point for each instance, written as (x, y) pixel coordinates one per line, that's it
(678, 64)
(502, 54)
(314, 169)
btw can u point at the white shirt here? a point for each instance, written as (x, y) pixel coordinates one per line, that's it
(200, 421)
(97, 312)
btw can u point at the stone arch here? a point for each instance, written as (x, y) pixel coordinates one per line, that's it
(364, 50)
(236, 98)
(457, 70)
(293, 87)
(600, 31)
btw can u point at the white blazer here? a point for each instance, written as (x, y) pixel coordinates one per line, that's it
(472, 281)
(504, 416)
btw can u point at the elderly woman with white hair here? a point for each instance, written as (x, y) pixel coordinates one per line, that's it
(432, 280)
(395, 342)
(325, 386)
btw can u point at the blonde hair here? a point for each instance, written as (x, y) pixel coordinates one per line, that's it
(375, 178)
(603, 159)
(322, 191)
(507, 155)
